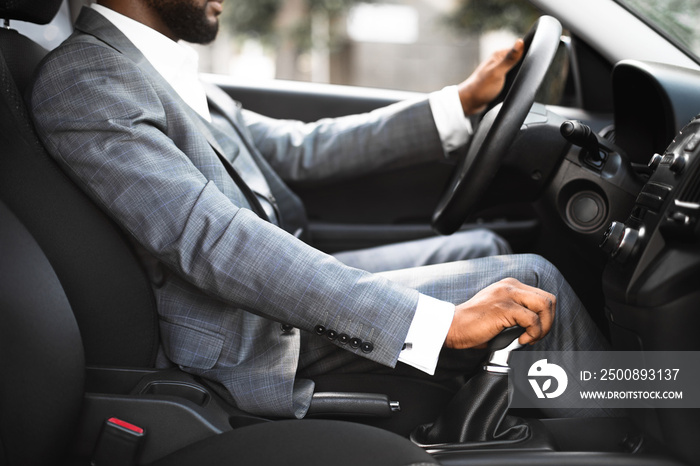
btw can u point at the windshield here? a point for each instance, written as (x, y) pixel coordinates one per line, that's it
(676, 19)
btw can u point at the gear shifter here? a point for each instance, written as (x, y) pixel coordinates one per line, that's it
(501, 347)
(477, 413)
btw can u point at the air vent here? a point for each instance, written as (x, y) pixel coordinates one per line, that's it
(691, 190)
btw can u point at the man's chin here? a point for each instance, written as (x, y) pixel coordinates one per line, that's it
(205, 42)
(201, 37)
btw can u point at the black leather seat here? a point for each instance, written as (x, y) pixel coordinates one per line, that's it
(41, 388)
(97, 266)
(106, 287)
(83, 290)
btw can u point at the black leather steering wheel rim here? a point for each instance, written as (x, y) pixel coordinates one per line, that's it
(497, 130)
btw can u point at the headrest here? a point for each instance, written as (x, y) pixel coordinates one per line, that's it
(33, 11)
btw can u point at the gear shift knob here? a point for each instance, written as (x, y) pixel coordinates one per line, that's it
(505, 338)
(501, 347)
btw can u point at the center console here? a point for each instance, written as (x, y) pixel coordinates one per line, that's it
(651, 282)
(651, 285)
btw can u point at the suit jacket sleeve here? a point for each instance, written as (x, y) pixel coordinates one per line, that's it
(110, 127)
(397, 135)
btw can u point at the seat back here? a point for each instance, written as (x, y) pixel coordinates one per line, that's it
(41, 356)
(105, 284)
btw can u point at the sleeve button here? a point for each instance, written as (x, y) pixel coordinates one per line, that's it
(286, 328)
(331, 335)
(320, 330)
(367, 347)
(355, 343)
(343, 338)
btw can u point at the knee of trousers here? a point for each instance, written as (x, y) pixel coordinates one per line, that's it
(477, 243)
(495, 242)
(546, 276)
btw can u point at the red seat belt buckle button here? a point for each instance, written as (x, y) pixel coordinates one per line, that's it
(119, 443)
(125, 425)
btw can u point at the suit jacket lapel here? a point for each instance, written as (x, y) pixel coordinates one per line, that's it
(294, 220)
(93, 23)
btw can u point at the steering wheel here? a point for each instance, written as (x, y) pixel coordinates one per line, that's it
(497, 130)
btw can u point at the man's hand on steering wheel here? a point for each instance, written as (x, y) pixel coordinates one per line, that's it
(500, 126)
(487, 81)
(504, 304)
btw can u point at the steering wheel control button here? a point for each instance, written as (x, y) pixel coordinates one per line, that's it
(332, 335)
(343, 338)
(320, 330)
(355, 343)
(367, 347)
(692, 143)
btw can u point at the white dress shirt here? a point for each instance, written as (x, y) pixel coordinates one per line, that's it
(178, 64)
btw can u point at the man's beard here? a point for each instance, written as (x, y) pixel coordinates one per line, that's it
(187, 21)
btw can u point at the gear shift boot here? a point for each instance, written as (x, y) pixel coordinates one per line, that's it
(478, 412)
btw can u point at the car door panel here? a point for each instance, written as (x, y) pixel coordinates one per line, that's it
(377, 208)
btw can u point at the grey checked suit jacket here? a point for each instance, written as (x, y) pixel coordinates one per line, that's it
(224, 279)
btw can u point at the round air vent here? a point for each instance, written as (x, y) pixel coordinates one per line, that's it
(586, 211)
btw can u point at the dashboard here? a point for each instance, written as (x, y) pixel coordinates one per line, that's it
(651, 281)
(652, 102)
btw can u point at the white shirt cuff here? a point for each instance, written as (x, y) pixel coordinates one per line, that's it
(453, 127)
(427, 333)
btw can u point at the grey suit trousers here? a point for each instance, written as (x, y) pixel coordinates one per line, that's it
(457, 282)
(463, 245)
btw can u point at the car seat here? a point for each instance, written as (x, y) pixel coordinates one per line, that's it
(108, 290)
(41, 390)
(98, 267)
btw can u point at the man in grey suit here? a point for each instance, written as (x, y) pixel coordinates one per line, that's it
(197, 184)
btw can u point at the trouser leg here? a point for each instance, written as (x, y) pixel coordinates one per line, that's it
(437, 250)
(457, 282)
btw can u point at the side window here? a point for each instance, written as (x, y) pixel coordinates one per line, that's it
(413, 45)
(559, 86)
(676, 20)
